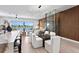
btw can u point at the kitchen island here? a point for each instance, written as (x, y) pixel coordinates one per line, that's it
(7, 41)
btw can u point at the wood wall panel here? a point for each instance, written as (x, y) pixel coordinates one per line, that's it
(69, 23)
(42, 23)
(57, 22)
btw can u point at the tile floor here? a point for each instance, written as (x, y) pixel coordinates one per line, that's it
(66, 47)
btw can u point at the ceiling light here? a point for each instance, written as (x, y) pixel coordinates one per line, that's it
(16, 15)
(39, 6)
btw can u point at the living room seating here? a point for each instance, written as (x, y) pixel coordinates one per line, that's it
(46, 37)
(46, 32)
(36, 41)
(41, 34)
(52, 33)
(53, 45)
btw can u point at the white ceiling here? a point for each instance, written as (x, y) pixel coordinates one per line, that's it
(30, 11)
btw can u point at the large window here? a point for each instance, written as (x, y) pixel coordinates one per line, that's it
(21, 25)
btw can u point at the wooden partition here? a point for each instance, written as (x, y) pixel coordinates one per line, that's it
(68, 23)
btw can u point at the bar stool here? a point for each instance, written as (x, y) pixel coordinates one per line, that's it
(17, 45)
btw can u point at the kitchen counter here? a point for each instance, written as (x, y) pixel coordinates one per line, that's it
(9, 38)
